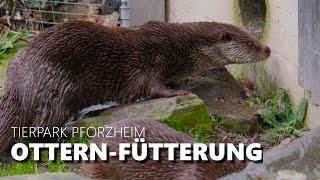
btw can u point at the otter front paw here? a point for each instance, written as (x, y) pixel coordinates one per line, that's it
(158, 93)
(173, 93)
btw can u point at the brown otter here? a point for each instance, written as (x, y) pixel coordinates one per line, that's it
(78, 64)
(155, 132)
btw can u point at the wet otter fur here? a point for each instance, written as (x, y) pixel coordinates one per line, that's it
(155, 132)
(78, 64)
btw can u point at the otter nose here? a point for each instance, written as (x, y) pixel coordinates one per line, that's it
(267, 52)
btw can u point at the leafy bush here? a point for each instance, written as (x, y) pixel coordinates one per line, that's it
(7, 40)
(279, 115)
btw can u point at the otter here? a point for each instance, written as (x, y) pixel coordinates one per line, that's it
(77, 64)
(155, 132)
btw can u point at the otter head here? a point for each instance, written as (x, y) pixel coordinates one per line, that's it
(230, 45)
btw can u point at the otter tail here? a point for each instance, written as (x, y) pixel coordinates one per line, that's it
(9, 117)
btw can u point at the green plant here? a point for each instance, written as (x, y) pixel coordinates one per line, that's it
(279, 115)
(216, 120)
(7, 40)
(255, 101)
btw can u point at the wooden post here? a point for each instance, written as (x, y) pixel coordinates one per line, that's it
(309, 47)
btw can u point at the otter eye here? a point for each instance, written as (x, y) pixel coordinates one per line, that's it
(226, 38)
(250, 44)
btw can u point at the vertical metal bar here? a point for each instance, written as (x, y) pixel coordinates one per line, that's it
(125, 17)
(66, 17)
(41, 20)
(53, 14)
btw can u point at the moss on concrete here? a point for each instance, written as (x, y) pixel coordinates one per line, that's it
(267, 24)
(195, 121)
(187, 114)
(238, 118)
(157, 109)
(236, 13)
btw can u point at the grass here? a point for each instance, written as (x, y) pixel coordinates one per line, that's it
(19, 168)
(33, 167)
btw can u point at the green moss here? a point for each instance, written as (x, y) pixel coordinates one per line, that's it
(267, 24)
(236, 13)
(195, 122)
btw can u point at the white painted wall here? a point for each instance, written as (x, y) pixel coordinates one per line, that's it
(200, 10)
(282, 38)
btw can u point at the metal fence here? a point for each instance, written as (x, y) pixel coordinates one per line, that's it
(36, 15)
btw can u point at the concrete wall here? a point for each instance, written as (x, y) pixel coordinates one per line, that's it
(147, 10)
(200, 10)
(281, 35)
(138, 12)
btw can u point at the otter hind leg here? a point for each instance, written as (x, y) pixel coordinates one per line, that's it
(10, 116)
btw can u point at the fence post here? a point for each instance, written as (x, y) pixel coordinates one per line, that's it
(125, 18)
